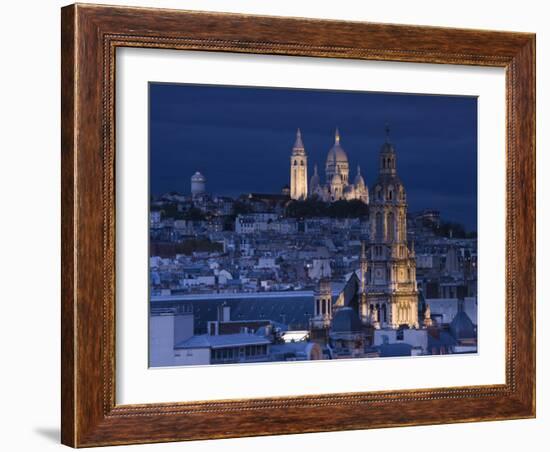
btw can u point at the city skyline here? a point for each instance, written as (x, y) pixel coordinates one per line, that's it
(299, 265)
(239, 138)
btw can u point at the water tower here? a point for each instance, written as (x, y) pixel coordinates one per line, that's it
(198, 184)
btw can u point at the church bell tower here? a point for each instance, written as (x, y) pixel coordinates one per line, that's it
(392, 287)
(298, 169)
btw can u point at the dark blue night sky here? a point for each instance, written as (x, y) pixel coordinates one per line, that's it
(240, 138)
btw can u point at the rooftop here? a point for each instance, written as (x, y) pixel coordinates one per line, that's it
(222, 341)
(336, 289)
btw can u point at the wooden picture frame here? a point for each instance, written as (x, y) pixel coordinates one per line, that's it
(90, 36)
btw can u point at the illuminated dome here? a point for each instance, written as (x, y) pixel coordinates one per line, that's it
(337, 161)
(336, 154)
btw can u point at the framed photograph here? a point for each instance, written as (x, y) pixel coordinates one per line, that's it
(282, 225)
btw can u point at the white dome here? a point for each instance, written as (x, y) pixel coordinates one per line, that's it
(336, 154)
(337, 160)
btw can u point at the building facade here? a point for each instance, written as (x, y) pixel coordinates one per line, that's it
(337, 184)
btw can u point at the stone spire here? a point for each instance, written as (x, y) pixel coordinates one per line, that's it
(337, 136)
(315, 181)
(387, 156)
(298, 147)
(359, 181)
(298, 169)
(428, 316)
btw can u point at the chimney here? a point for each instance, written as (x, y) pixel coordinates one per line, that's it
(224, 312)
(213, 328)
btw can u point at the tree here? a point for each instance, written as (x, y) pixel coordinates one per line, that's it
(313, 207)
(306, 209)
(194, 214)
(241, 208)
(171, 211)
(348, 209)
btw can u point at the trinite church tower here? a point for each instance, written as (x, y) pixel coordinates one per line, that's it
(391, 282)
